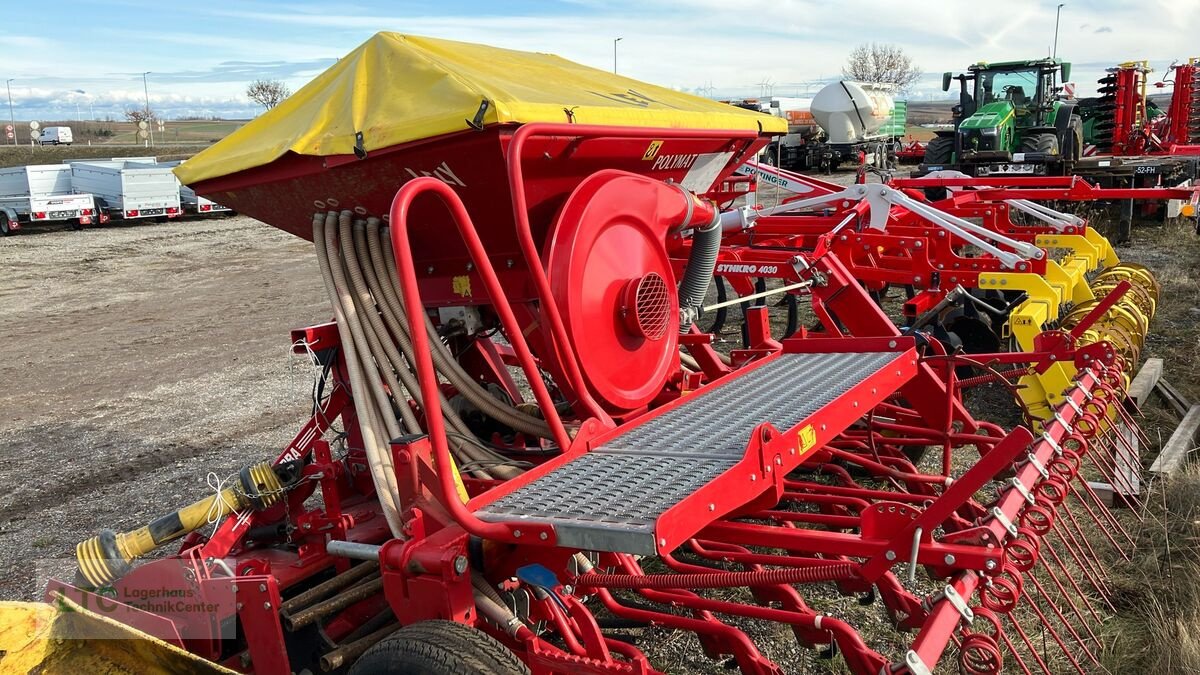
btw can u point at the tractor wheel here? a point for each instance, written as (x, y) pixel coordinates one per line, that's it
(439, 648)
(1072, 144)
(1043, 143)
(940, 151)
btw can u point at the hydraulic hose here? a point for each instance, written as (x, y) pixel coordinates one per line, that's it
(795, 575)
(702, 261)
(502, 616)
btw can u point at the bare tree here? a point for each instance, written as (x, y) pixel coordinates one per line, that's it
(268, 93)
(883, 64)
(136, 115)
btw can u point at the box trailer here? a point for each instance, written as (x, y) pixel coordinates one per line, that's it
(129, 189)
(194, 203)
(42, 193)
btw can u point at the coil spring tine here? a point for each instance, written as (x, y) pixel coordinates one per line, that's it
(1033, 651)
(1116, 461)
(1080, 561)
(1122, 486)
(1101, 526)
(1012, 650)
(1079, 591)
(1063, 619)
(1053, 634)
(1082, 536)
(1122, 481)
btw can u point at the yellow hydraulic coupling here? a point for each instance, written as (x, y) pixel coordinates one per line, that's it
(107, 556)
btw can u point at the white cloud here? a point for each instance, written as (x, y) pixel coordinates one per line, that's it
(684, 44)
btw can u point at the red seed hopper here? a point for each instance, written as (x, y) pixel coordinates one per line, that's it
(401, 107)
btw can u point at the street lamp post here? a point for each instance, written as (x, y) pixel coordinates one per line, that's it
(615, 41)
(146, 91)
(1057, 16)
(11, 119)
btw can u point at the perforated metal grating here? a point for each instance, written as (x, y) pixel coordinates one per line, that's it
(610, 498)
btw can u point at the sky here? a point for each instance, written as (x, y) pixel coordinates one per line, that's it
(85, 59)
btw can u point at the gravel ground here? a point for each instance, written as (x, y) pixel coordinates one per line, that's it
(138, 359)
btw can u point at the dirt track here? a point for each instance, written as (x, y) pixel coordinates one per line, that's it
(138, 359)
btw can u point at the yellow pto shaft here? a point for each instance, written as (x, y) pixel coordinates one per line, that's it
(107, 556)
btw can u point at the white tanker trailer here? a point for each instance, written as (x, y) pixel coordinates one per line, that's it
(833, 127)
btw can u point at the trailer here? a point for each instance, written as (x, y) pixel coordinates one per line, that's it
(129, 189)
(194, 203)
(42, 193)
(844, 123)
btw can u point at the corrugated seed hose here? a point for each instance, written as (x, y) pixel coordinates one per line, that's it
(365, 286)
(384, 268)
(702, 261)
(378, 458)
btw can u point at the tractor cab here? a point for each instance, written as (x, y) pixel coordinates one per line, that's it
(1009, 119)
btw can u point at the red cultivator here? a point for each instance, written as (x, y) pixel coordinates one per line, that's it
(541, 459)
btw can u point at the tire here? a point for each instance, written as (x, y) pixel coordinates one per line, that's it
(939, 151)
(1044, 143)
(1072, 144)
(439, 648)
(771, 155)
(4, 228)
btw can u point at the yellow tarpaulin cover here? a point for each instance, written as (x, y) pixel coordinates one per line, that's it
(398, 88)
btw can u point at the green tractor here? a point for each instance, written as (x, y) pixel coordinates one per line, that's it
(1009, 120)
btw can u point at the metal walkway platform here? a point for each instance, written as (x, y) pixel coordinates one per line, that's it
(611, 498)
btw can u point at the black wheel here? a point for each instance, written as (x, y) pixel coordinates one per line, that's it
(770, 156)
(1072, 144)
(940, 151)
(1043, 143)
(439, 648)
(4, 228)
